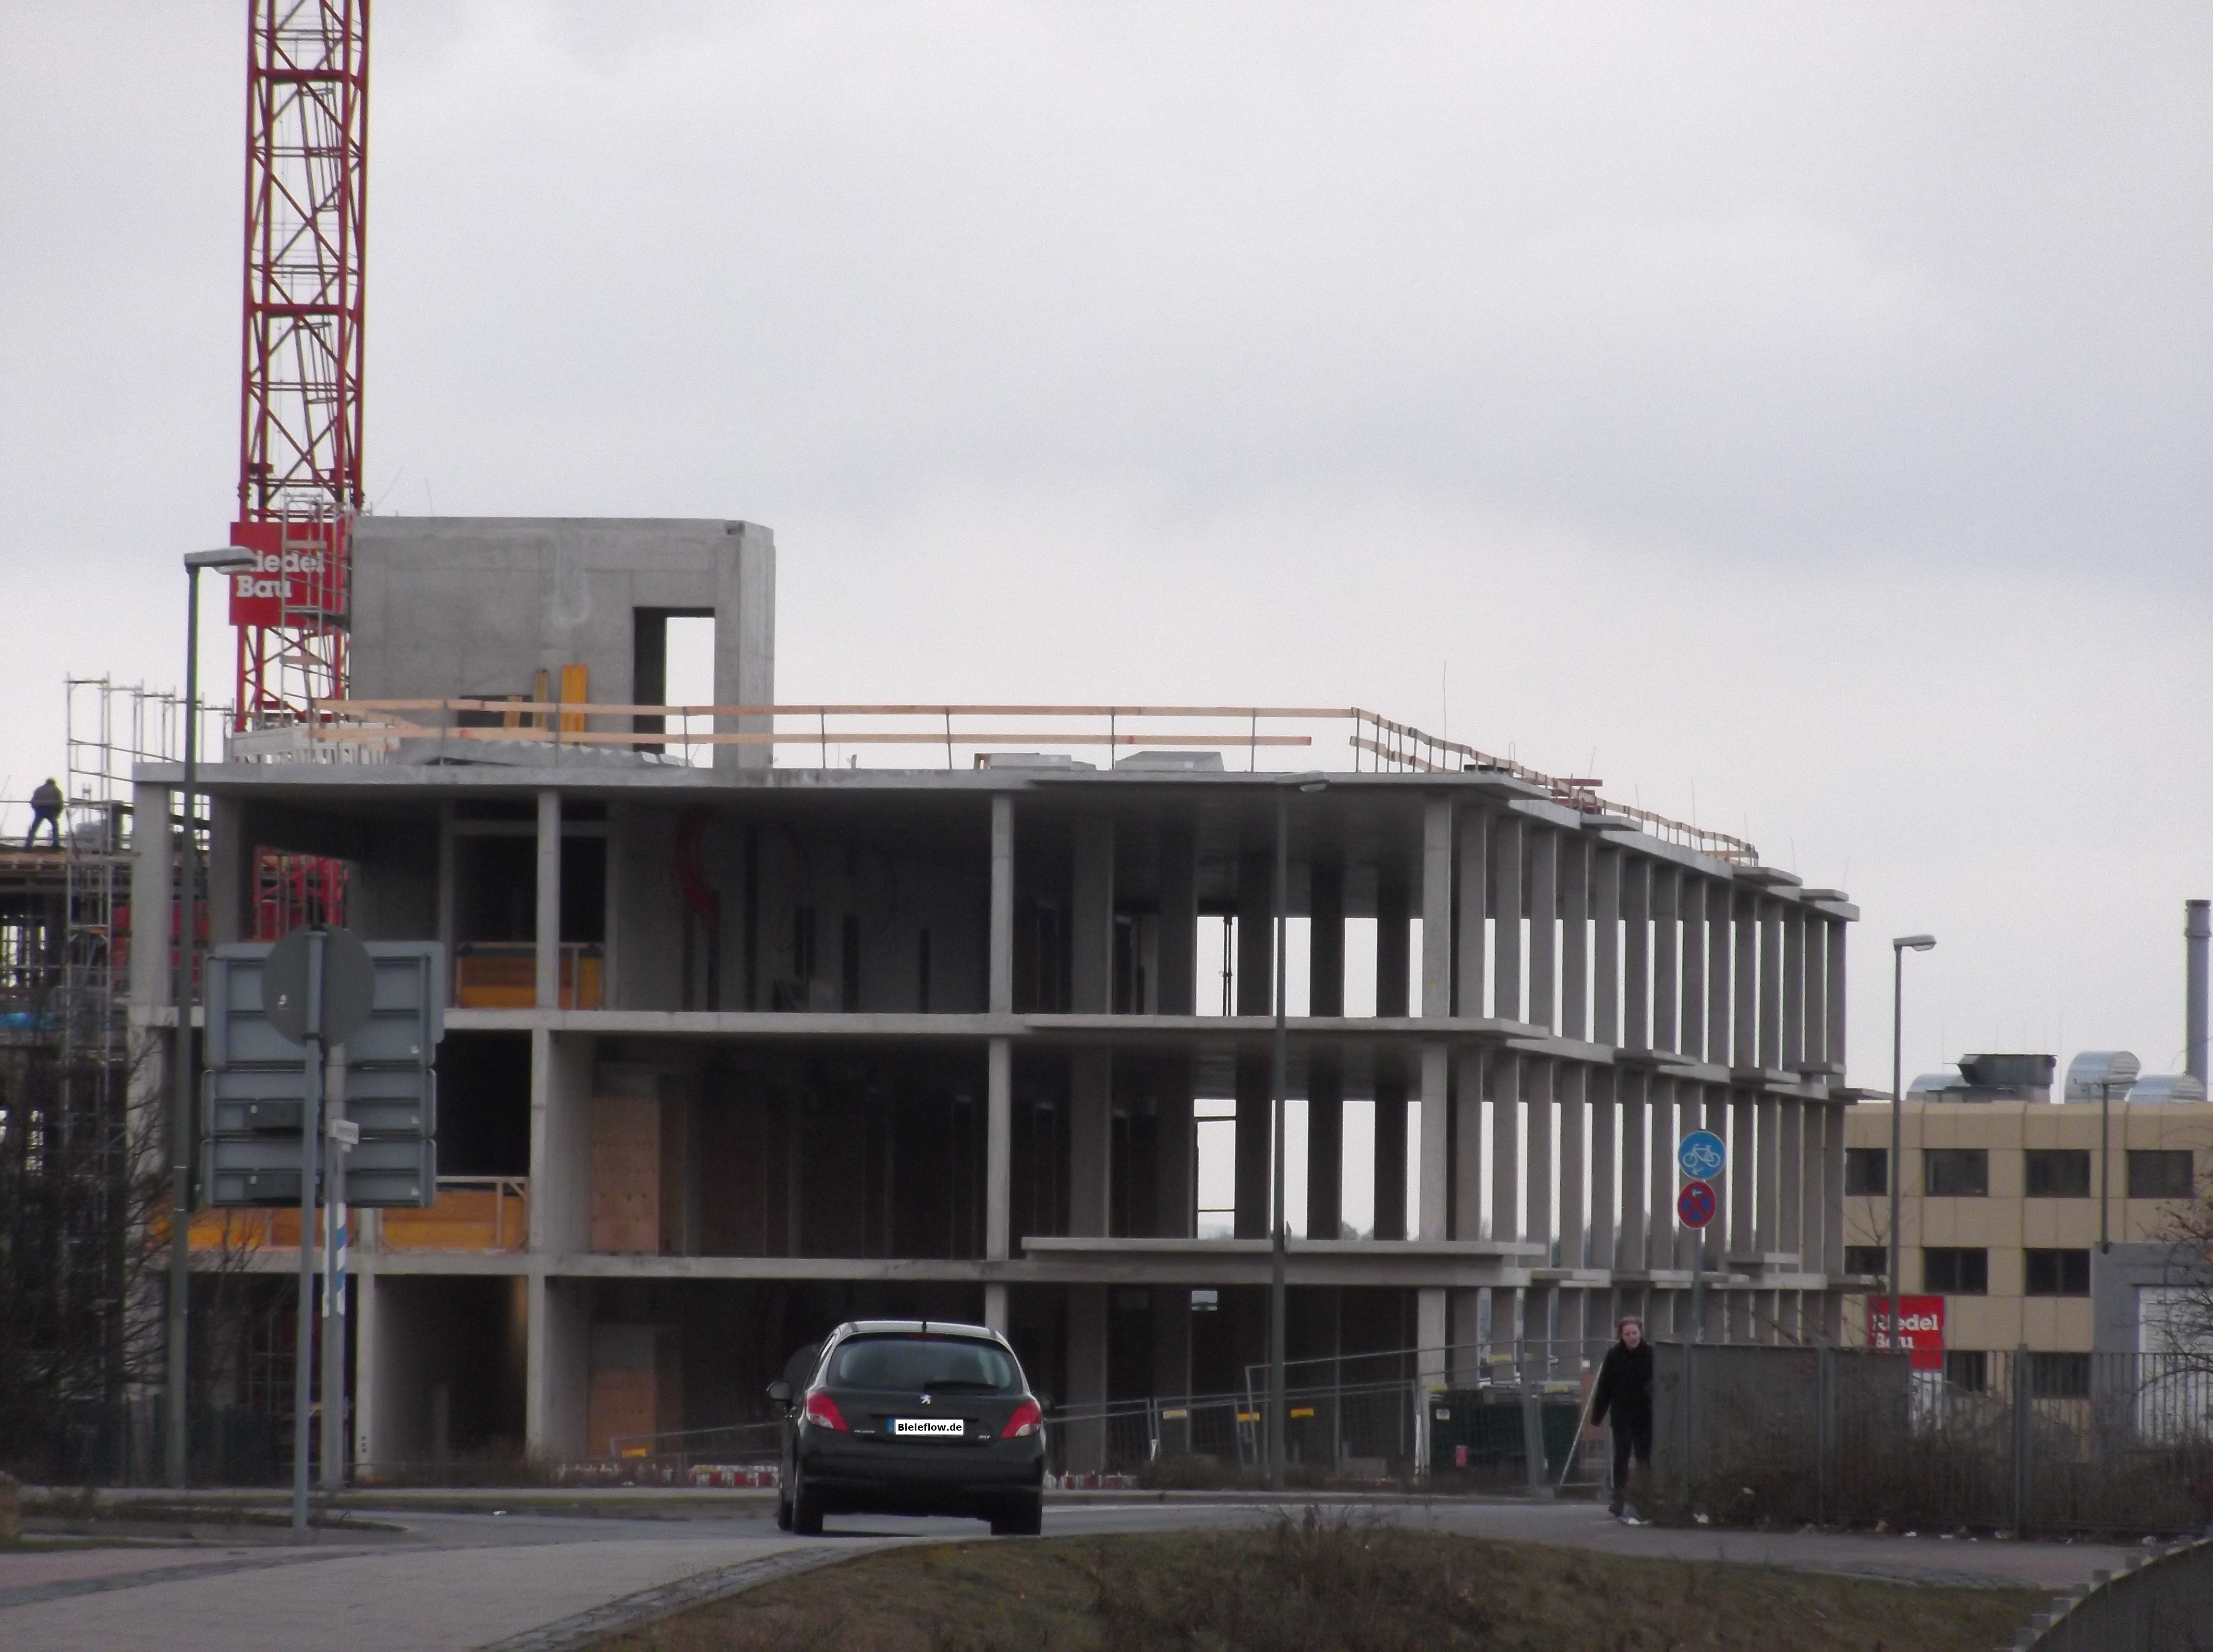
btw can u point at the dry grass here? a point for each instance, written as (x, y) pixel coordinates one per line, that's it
(1310, 1585)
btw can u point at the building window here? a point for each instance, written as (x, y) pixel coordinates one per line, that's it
(1866, 1170)
(2159, 1173)
(2056, 1273)
(1949, 1271)
(1867, 1258)
(1967, 1369)
(1955, 1172)
(2059, 1376)
(2058, 1173)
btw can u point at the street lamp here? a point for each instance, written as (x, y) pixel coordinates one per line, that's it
(1899, 949)
(1280, 1235)
(227, 560)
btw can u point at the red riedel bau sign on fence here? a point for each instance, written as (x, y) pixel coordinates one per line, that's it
(1920, 1328)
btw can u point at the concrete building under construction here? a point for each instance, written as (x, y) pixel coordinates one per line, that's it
(740, 1050)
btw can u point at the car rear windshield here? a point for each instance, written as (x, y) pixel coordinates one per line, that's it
(921, 1363)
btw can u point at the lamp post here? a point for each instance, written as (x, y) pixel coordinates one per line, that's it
(1899, 949)
(1279, 1234)
(228, 559)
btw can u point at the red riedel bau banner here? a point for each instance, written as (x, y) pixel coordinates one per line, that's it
(1920, 1328)
(299, 582)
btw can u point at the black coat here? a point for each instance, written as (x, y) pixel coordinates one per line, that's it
(1624, 1387)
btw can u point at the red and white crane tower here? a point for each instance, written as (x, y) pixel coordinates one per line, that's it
(299, 447)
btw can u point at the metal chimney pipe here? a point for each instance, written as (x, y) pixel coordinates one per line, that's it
(2198, 931)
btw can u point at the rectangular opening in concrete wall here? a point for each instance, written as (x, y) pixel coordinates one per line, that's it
(672, 663)
(484, 1105)
(1218, 1166)
(446, 1376)
(1359, 1195)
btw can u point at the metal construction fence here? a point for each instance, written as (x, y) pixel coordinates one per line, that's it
(2016, 1440)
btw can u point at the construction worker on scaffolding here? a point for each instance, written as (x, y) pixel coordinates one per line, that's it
(45, 811)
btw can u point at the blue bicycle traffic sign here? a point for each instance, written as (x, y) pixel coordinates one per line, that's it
(1702, 1155)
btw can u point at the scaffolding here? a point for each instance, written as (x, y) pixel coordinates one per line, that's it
(69, 1153)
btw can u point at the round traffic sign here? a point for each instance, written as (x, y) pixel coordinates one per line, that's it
(1695, 1203)
(349, 984)
(1702, 1155)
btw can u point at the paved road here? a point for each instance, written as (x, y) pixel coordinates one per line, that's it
(534, 1581)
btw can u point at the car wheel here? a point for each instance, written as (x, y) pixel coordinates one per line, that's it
(1023, 1519)
(806, 1512)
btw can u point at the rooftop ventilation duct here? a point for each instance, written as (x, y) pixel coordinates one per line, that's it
(2166, 1086)
(2116, 1069)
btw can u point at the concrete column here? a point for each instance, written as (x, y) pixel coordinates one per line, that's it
(1813, 1185)
(1717, 973)
(1091, 919)
(1325, 1077)
(1602, 1084)
(1606, 946)
(557, 1358)
(1714, 1100)
(1771, 984)
(447, 885)
(1253, 1165)
(1574, 1095)
(1393, 939)
(1636, 953)
(1505, 1148)
(1794, 988)
(1464, 1330)
(1436, 1140)
(1467, 1147)
(744, 641)
(1325, 942)
(1506, 939)
(1833, 1200)
(998, 1149)
(1789, 1169)
(1002, 905)
(1471, 994)
(1666, 956)
(1256, 935)
(1743, 1177)
(1177, 951)
(1767, 1184)
(153, 898)
(1090, 1141)
(1325, 1145)
(1087, 1376)
(1834, 983)
(1537, 1185)
(1574, 936)
(1390, 1157)
(229, 872)
(548, 918)
(1661, 1136)
(1175, 1159)
(1171, 1307)
(995, 1307)
(1745, 1052)
(1691, 905)
(1544, 924)
(1436, 909)
(1631, 1090)
(561, 1085)
(1816, 942)
(1430, 1334)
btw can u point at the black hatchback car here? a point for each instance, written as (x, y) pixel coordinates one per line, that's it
(911, 1416)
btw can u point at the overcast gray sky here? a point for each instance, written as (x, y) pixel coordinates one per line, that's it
(1801, 413)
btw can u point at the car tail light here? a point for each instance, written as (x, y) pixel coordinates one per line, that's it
(1027, 1420)
(822, 1411)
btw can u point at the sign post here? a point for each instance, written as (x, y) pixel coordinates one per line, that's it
(317, 987)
